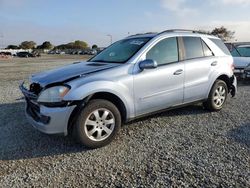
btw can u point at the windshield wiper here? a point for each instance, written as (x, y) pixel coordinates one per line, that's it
(98, 61)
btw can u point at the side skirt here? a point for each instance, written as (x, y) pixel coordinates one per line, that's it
(164, 110)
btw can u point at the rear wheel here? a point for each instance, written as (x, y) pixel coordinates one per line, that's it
(217, 96)
(98, 123)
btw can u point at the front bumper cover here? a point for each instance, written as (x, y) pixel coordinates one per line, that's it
(58, 119)
(49, 120)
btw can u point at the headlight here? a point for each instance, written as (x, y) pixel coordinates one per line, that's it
(53, 94)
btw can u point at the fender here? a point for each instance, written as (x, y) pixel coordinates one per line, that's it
(213, 80)
(91, 88)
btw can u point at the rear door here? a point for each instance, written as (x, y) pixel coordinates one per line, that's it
(199, 64)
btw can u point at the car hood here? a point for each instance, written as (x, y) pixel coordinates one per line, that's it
(70, 72)
(241, 62)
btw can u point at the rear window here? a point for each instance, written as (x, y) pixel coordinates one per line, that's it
(193, 47)
(221, 45)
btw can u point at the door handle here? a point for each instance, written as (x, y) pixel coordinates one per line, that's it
(214, 63)
(178, 72)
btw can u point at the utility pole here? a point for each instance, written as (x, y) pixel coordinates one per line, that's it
(111, 38)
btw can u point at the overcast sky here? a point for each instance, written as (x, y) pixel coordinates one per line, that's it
(62, 21)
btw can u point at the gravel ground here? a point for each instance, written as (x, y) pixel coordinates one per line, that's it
(179, 148)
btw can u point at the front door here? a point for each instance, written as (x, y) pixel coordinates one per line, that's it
(162, 87)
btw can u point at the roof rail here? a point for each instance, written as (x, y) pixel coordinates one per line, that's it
(138, 34)
(178, 30)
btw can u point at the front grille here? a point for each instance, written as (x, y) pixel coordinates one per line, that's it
(27, 93)
(33, 109)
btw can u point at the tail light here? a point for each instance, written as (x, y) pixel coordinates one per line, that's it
(232, 67)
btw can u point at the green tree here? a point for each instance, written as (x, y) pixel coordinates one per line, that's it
(223, 33)
(14, 47)
(46, 45)
(94, 46)
(204, 32)
(73, 45)
(80, 44)
(28, 45)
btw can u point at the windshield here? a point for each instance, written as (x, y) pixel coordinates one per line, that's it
(241, 51)
(121, 51)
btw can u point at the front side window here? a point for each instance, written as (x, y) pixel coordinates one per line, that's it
(121, 51)
(164, 52)
(193, 48)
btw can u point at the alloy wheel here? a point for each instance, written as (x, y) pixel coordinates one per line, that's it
(219, 96)
(99, 124)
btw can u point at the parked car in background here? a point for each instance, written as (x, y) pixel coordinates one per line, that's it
(51, 52)
(25, 54)
(5, 54)
(36, 54)
(92, 52)
(241, 56)
(133, 77)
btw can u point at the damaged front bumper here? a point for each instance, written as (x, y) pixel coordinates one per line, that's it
(49, 120)
(233, 86)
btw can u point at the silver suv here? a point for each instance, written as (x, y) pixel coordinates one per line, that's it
(133, 77)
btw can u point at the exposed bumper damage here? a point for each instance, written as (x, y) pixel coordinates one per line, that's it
(233, 86)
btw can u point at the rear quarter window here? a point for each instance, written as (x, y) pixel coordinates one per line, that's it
(221, 45)
(206, 49)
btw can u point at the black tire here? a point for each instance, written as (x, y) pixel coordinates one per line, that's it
(81, 130)
(210, 104)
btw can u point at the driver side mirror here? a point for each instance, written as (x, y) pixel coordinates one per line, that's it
(148, 64)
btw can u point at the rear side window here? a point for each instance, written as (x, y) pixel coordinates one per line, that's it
(193, 47)
(164, 52)
(221, 45)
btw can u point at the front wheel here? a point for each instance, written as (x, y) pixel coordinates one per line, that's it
(98, 123)
(217, 96)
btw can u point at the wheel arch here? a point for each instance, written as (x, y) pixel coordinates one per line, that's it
(117, 101)
(223, 77)
(226, 79)
(111, 97)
